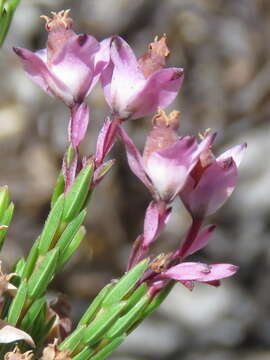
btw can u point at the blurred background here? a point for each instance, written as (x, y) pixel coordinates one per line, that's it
(224, 48)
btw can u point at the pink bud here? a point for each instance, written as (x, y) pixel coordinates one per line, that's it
(211, 182)
(78, 124)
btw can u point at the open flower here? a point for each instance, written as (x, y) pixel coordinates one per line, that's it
(66, 68)
(167, 159)
(212, 181)
(134, 88)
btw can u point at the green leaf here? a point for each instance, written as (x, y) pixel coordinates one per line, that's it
(32, 313)
(59, 189)
(156, 302)
(94, 306)
(84, 354)
(78, 192)
(70, 155)
(51, 225)
(126, 283)
(73, 340)
(70, 231)
(102, 171)
(31, 260)
(127, 320)
(6, 16)
(17, 304)
(6, 219)
(108, 349)
(102, 323)
(75, 242)
(41, 277)
(136, 296)
(19, 266)
(43, 331)
(4, 200)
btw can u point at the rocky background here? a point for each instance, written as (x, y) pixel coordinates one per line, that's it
(224, 47)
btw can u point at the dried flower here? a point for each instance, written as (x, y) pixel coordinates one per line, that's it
(51, 352)
(9, 334)
(16, 354)
(5, 285)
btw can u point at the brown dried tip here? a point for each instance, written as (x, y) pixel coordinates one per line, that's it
(206, 132)
(155, 58)
(4, 282)
(52, 353)
(160, 47)
(171, 120)
(161, 262)
(17, 355)
(59, 20)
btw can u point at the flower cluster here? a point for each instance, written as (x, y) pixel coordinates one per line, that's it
(173, 166)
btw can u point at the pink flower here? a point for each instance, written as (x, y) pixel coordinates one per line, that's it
(67, 68)
(134, 88)
(167, 158)
(193, 271)
(212, 181)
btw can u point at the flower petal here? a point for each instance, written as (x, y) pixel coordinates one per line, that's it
(200, 272)
(159, 90)
(154, 223)
(236, 152)
(101, 61)
(213, 189)
(9, 334)
(168, 169)
(127, 77)
(200, 242)
(74, 64)
(218, 272)
(134, 158)
(78, 124)
(40, 74)
(187, 271)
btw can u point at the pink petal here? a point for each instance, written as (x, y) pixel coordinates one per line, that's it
(187, 271)
(40, 74)
(168, 169)
(9, 333)
(74, 64)
(135, 160)
(151, 222)
(159, 90)
(101, 60)
(154, 223)
(236, 152)
(218, 272)
(200, 242)
(106, 139)
(101, 140)
(214, 188)
(78, 124)
(127, 77)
